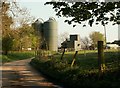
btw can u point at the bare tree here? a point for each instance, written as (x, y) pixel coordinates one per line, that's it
(62, 37)
(21, 16)
(86, 43)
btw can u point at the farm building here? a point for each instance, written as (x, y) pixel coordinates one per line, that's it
(73, 44)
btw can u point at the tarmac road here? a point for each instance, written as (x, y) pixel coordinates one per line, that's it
(19, 74)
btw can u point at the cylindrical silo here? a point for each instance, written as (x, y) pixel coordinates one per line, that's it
(38, 26)
(50, 30)
(119, 32)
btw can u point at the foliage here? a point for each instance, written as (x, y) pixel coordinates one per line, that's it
(84, 74)
(7, 39)
(26, 37)
(6, 19)
(92, 11)
(13, 56)
(16, 32)
(7, 43)
(95, 37)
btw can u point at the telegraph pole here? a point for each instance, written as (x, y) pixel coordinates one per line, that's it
(105, 36)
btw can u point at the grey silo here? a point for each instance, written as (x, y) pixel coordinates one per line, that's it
(118, 31)
(38, 26)
(50, 33)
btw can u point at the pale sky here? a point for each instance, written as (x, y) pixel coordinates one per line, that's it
(39, 10)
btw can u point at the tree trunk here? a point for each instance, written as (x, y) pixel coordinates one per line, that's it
(5, 52)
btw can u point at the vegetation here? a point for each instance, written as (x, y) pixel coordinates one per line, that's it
(17, 34)
(84, 74)
(6, 32)
(85, 43)
(26, 36)
(91, 12)
(13, 56)
(95, 37)
(7, 43)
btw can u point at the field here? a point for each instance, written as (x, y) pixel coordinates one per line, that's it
(15, 55)
(84, 73)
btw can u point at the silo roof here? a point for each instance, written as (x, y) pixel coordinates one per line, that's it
(39, 20)
(51, 19)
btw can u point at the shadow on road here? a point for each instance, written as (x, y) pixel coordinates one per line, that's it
(19, 74)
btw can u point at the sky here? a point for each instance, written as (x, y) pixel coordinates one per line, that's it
(39, 10)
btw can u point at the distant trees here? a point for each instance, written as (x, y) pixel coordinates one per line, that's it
(85, 43)
(91, 41)
(62, 37)
(7, 39)
(16, 32)
(95, 37)
(24, 38)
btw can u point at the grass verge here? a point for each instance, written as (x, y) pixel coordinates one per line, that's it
(13, 56)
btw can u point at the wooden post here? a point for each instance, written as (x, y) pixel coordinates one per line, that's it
(74, 59)
(101, 61)
(84, 53)
(64, 47)
(63, 53)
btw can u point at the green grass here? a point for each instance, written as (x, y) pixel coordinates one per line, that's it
(85, 73)
(89, 59)
(13, 56)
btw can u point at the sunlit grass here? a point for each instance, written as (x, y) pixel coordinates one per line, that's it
(13, 56)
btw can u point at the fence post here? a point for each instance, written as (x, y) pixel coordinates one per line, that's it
(101, 61)
(73, 61)
(63, 53)
(64, 47)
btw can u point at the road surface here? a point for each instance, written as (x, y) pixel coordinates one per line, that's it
(19, 74)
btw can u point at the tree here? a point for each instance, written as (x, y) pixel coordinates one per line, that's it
(7, 39)
(86, 43)
(95, 37)
(7, 43)
(13, 15)
(92, 11)
(62, 37)
(24, 37)
(25, 33)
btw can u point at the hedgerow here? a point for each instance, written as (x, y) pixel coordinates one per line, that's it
(76, 77)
